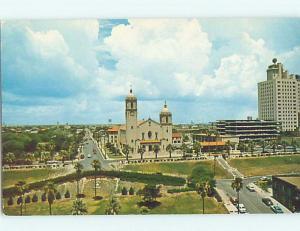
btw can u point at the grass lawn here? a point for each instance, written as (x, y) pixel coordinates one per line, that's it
(11, 177)
(180, 203)
(267, 165)
(178, 168)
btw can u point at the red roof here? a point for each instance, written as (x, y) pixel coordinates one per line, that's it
(176, 135)
(113, 129)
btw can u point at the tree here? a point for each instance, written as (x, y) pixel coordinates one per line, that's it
(44, 197)
(141, 151)
(197, 148)
(263, 145)
(183, 148)
(237, 185)
(64, 155)
(228, 146)
(9, 158)
(156, 150)
(251, 146)
(21, 189)
(34, 198)
(10, 201)
(78, 167)
(97, 166)
(150, 193)
(113, 207)
(79, 208)
(284, 144)
(124, 191)
(131, 191)
(126, 150)
(57, 196)
(50, 191)
(294, 144)
(203, 189)
(67, 194)
(242, 147)
(170, 149)
(274, 145)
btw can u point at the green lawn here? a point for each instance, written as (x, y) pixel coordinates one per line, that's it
(178, 203)
(267, 165)
(11, 177)
(178, 168)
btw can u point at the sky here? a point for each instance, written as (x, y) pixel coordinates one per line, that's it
(80, 71)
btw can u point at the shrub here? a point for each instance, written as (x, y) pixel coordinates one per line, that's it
(178, 190)
(124, 191)
(27, 199)
(80, 195)
(10, 201)
(44, 197)
(34, 198)
(131, 191)
(57, 196)
(19, 200)
(67, 194)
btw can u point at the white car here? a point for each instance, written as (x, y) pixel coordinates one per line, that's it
(250, 187)
(242, 208)
(89, 156)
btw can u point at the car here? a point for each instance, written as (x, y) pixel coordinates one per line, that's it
(233, 200)
(276, 209)
(241, 207)
(89, 156)
(267, 201)
(250, 187)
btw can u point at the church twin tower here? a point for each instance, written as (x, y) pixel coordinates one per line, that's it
(147, 133)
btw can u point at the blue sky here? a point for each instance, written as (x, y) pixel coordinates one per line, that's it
(79, 71)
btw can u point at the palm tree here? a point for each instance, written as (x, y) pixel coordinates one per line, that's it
(242, 147)
(50, 191)
(113, 207)
(274, 145)
(228, 146)
(284, 144)
(156, 150)
(78, 167)
(21, 188)
(126, 150)
(237, 185)
(170, 149)
(96, 165)
(251, 146)
(197, 148)
(141, 151)
(9, 158)
(183, 148)
(295, 145)
(79, 208)
(202, 189)
(263, 145)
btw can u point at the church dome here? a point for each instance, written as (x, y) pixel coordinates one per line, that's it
(165, 109)
(131, 96)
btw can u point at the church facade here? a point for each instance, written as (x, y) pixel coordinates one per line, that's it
(146, 133)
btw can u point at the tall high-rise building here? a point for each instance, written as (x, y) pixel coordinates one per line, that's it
(279, 97)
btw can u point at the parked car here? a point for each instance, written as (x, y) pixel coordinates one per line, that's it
(89, 156)
(276, 209)
(233, 200)
(267, 201)
(241, 207)
(250, 187)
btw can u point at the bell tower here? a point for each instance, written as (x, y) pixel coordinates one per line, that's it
(165, 118)
(131, 119)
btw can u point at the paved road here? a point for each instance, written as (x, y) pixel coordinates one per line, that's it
(251, 200)
(88, 148)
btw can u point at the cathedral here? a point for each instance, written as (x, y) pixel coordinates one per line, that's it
(144, 133)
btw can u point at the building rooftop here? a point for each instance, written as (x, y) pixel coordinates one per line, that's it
(294, 180)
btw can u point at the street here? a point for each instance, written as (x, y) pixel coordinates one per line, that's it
(88, 149)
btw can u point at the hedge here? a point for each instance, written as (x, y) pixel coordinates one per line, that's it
(179, 190)
(125, 176)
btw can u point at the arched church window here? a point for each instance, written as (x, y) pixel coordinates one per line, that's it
(156, 135)
(131, 105)
(149, 134)
(167, 120)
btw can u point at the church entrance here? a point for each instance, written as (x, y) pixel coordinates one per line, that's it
(150, 148)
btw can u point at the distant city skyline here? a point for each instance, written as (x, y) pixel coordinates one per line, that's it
(80, 71)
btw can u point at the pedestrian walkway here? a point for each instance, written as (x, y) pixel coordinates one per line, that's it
(233, 171)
